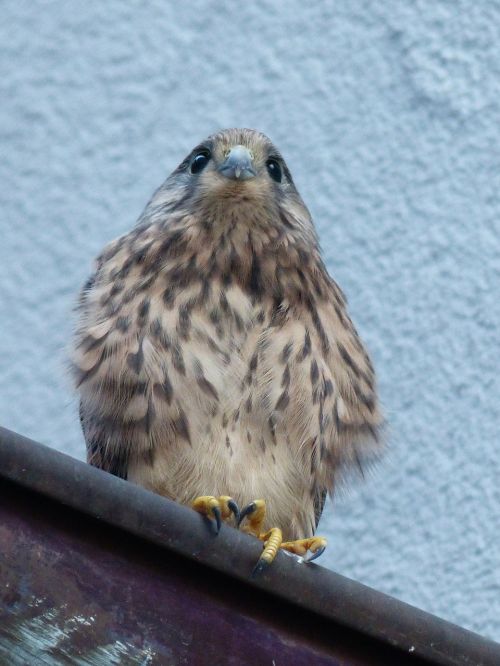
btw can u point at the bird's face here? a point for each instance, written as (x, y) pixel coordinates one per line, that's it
(236, 165)
(235, 179)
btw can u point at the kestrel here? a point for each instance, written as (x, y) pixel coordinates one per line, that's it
(214, 356)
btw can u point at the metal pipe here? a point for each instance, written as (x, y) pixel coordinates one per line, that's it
(335, 598)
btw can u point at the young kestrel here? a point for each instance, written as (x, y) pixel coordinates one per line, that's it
(214, 355)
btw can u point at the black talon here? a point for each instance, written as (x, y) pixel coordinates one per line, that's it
(218, 520)
(250, 508)
(259, 567)
(235, 509)
(315, 555)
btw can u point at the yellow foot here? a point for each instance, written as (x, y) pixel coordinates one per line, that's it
(309, 549)
(217, 508)
(255, 513)
(272, 543)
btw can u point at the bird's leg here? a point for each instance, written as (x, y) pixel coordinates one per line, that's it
(218, 508)
(255, 513)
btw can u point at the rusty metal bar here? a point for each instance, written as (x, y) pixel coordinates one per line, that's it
(329, 601)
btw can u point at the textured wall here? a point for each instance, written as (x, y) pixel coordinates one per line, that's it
(389, 116)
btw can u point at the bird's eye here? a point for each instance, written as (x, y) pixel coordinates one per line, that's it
(274, 169)
(200, 161)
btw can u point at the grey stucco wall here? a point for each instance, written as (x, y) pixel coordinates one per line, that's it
(389, 117)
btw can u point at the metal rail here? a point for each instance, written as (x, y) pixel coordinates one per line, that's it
(390, 630)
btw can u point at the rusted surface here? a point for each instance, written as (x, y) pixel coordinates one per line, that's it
(76, 591)
(94, 570)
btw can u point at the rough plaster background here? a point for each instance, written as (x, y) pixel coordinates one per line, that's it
(389, 117)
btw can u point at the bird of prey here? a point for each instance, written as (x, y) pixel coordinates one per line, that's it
(214, 356)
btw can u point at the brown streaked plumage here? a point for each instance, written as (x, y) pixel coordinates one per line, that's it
(214, 355)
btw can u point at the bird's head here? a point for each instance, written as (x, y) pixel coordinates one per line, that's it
(235, 170)
(235, 180)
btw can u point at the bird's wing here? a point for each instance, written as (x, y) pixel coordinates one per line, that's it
(348, 409)
(115, 460)
(319, 503)
(319, 384)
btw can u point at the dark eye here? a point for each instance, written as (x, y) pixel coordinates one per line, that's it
(274, 169)
(200, 161)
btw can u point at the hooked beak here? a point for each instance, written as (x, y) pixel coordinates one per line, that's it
(238, 164)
